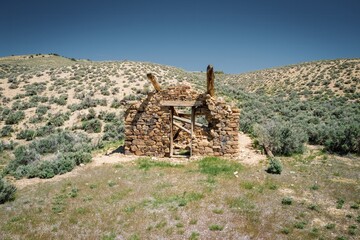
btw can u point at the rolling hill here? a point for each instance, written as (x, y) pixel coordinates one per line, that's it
(58, 113)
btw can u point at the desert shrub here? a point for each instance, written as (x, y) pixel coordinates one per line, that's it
(44, 130)
(78, 157)
(109, 117)
(7, 145)
(15, 117)
(23, 105)
(7, 191)
(58, 119)
(42, 110)
(274, 167)
(280, 137)
(114, 131)
(344, 138)
(115, 103)
(87, 102)
(27, 134)
(6, 131)
(46, 145)
(36, 99)
(36, 119)
(43, 169)
(34, 89)
(64, 165)
(61, 100)
(73, 149)
(23, 156)
(286, 201)
(91, 115)
(4, 112)
(92, 126)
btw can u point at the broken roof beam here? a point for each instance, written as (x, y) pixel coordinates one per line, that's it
(181, 103)
(210, 77)
(188, 121)
(152, 79)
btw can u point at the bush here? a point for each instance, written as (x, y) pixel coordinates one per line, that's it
(92, 126)
(274, 167)
(74, 150)
(64, 165)
(41, 110)
(6, 131)
(23, 156)
(286, 201)
(280, 137)
(14, 117)
(344, 138)
(58, 119)
(27, 134)
(114, 131)
(78, 157)
(7, 191)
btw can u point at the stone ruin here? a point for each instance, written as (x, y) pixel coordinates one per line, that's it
(178, 121)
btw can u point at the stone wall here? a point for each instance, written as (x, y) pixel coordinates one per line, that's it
(147, 125)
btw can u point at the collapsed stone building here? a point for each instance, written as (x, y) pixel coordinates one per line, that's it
(179, 121)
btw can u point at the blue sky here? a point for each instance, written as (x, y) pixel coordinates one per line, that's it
(234, 36)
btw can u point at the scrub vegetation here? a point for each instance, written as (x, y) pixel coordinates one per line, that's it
(56, 113)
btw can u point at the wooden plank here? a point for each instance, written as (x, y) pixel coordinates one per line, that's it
(152, 79)
(192, 129)
(171, 132)
(210, 77)
(176, 134)
(188, 121)
(182, 128)
(180, 103)
(175, 112)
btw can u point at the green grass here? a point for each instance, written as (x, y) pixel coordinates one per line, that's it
(216, 227)
(147, 163)
(215, 166)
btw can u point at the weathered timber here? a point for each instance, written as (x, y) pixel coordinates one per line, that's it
(181, 127)
(192, 129)
(210, 77)
(180, 103)
(152, 79)
(188, 121)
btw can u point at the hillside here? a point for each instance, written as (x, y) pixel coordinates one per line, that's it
(333, 78)
(61, 125)
(42, 92)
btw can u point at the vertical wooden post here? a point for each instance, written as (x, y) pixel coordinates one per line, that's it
(210, 77)
(152, 79)
(171, 131)
(192, 129)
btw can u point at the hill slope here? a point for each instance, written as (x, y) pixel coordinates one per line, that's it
(335, 77)
(44, 94)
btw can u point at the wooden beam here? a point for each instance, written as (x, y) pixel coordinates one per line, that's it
(175, 112)
(182, 128)
(176, 134)
(180, 103)
(210, 77)
(192, 129)
(171, 132)
(188, 121)
(152, 79)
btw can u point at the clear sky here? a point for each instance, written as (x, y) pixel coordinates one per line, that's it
(234, 36)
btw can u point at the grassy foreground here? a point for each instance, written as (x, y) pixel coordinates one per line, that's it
(317, 196)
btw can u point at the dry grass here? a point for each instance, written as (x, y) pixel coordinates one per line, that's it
(147, 199)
